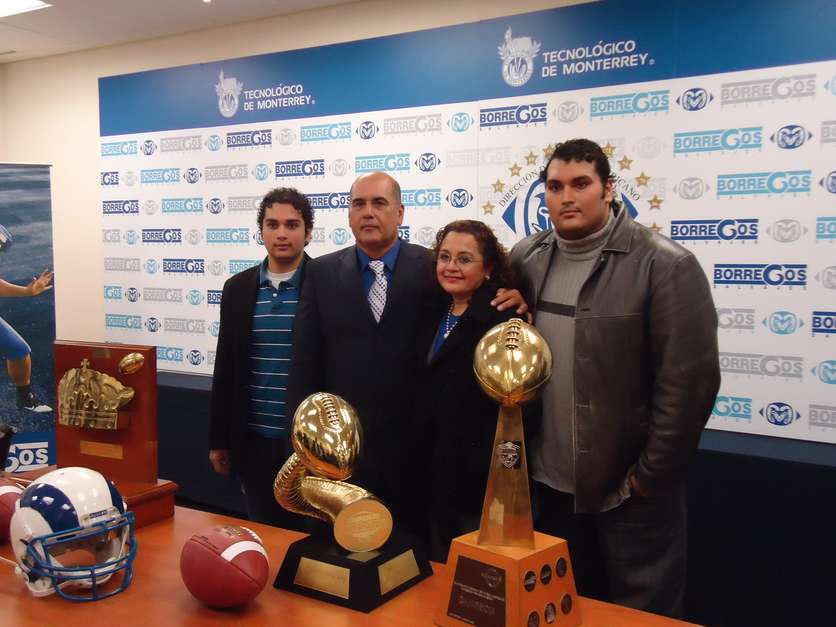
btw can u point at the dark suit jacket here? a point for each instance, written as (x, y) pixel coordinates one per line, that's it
(230, 392)
(339, 348)
(457, 419)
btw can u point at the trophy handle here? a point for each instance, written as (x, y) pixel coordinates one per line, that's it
(361, 521)
(506, 511)
(287, 489)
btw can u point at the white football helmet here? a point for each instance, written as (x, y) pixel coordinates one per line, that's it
(71, 530)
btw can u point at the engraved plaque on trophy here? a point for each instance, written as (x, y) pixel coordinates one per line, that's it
(363, 564)
(505, 574)
(478, 591)
(106, 417)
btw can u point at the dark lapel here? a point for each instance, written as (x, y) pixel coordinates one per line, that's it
(245, 306)
(455, 339)
(402, 276)
(478, 313)
(538, 265)
(407, 276)
(304, 268)
(247, 303)
(622, 230)
(350, 284)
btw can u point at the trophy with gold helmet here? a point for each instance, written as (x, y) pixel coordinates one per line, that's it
(505, 573)
(364, 564)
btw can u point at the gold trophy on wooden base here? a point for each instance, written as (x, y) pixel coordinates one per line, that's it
(369, 564)
(506, 574)
(106, 420)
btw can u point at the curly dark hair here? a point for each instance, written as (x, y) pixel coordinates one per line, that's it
(493, 253)
(287, 196)
(581, 150)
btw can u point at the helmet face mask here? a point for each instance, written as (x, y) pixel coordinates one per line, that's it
(74, 562)
(71, 535)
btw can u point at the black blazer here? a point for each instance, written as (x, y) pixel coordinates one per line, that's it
(339, 348)
(230, 403)
(457, 418)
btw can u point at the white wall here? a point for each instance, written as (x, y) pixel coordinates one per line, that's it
(49, 114)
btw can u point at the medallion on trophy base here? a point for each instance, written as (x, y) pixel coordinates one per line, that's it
(506, 574)
(364, 564)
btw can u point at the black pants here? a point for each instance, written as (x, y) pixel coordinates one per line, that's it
(261, 461)
(633, 555)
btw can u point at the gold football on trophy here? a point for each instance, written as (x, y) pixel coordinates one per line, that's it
(512, 362)
(326, 435)
(131, 363)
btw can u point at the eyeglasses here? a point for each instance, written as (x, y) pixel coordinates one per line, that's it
(462, 261)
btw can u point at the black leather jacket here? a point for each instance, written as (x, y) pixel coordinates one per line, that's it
(646, 363)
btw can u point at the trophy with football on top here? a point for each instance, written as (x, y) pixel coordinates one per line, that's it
(364, 563)
(505, 573)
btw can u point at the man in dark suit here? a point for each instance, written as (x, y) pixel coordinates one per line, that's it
(360, 310)
(250, 419)
(345, 347)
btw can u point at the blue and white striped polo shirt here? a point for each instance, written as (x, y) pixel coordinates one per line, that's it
(270, 345)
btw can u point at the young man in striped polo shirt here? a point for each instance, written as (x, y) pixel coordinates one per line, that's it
(250, 419)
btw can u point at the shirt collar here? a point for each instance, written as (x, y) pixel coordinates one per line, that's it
(389, 259)
(293, 280)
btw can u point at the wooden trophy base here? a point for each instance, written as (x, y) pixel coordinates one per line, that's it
(319, 568)
(150, 502)
(503, 586)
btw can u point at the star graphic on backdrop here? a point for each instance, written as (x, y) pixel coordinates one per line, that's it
(515, 170)
(655, 202)
(530, 158)
(625, 162)
(498, 186)
(488, 208)
(608, 149)
(655, 227)
(548, 151)
(642, 179)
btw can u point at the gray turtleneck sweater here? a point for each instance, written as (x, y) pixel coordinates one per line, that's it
(553, 456)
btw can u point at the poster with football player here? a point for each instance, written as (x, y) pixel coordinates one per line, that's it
(27, 314)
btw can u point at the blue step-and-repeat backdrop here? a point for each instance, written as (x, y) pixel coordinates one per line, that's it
(720, 124)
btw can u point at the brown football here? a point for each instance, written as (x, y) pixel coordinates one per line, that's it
(224, 566)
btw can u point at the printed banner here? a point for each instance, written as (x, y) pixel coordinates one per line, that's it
(721, 143)
(27, 325)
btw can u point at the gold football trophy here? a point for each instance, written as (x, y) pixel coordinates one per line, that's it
(326, 436)
(507, 574)
(369, 566)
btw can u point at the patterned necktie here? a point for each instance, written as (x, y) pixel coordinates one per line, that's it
(377, 293)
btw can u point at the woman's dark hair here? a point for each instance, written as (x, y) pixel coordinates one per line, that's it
(493, 253)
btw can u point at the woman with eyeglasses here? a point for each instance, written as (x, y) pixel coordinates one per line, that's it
(457, 420)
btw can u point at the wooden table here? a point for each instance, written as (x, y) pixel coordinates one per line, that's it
(158, 598)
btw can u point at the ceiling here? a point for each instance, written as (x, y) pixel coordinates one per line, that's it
(71, 25)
